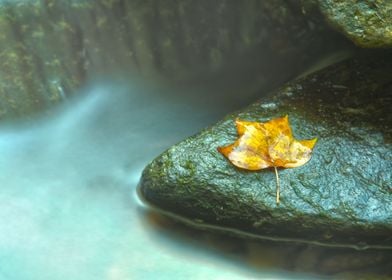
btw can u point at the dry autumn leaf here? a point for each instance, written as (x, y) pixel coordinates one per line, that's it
(269, 144)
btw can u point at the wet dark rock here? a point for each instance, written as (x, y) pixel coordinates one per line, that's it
(342, 197)
(50, 48)
(366, 23)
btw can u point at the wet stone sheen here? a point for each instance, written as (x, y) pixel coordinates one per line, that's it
(367, 23)
(342, 197)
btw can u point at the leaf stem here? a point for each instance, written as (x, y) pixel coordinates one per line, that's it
(277, 186)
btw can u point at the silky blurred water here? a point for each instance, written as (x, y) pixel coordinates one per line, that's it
(68, 206)
(68, 203)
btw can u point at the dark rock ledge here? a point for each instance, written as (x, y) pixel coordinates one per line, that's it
(342, 197)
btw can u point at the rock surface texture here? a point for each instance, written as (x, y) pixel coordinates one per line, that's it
(49, 49)
(342, 197)
(368, 23)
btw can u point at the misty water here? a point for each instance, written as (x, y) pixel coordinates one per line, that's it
(68, 205)
(68, 202)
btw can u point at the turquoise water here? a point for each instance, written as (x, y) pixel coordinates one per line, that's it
(68, 203)
(68, 206)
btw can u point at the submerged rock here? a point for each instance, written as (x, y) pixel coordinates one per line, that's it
(342, 197)
(366, 23)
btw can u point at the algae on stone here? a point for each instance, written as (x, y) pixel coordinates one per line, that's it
(342, 197)
(368, 23)
(50, 48)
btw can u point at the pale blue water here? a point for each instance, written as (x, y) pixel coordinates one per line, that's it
(68, 204)
(68, 207)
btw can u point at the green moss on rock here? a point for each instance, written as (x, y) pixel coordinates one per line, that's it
(368, 23)
(50, 48)
(343, 196)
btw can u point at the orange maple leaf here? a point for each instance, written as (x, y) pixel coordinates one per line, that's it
(269, 144)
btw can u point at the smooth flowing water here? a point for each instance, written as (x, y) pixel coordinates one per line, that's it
(68, 206)
(68, 203)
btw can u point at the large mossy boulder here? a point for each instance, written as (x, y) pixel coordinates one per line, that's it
(51, 48)
(368, 23)
(342, 197)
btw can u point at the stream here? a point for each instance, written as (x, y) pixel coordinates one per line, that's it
(68, 205)
(68, 202)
